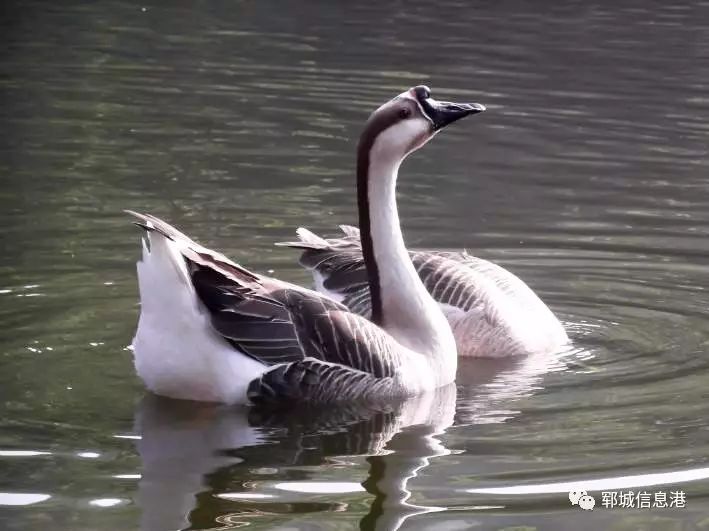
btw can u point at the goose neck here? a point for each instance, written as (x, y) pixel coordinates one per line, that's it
(400, 302)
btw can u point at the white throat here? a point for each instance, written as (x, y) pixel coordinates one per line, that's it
(409, 313)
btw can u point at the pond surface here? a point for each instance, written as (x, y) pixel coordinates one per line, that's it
(237, 121)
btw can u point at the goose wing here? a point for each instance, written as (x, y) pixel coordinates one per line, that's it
(317, 349)
(453, 278)
(338, 265)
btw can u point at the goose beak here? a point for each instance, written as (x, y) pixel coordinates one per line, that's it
(443, 113)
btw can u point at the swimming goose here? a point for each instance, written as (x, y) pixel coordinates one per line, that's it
(211, 330)
(491, 311)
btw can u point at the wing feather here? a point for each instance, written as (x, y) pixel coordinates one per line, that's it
(453, 278)
(282, 324)
(313, 380)
(308, 339)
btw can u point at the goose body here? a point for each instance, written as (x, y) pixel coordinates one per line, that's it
(491, 311)
(211, 330)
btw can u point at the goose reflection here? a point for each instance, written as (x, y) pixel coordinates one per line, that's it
(490, 389)
(179, 443)
(202, 464)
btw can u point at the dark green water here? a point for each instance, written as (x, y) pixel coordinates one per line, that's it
(588, 177)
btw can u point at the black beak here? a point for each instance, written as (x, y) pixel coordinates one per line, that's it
(443, 113)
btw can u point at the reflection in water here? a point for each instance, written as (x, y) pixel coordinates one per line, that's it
(493, 386)
(179, 443)
(389, 474)
(190, 449)
(16, 498)
(196, 457)
(610, 483)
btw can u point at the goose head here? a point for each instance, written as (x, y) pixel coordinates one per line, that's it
(408, 121)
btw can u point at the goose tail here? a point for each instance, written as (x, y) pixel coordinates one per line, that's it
(335, 263)
(306, 240)
(177, 352)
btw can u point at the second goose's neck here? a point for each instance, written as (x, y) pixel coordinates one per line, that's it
(400, 303)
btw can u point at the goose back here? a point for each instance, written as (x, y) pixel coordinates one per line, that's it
(493, 313)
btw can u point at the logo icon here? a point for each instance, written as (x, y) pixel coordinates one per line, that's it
(587, 502)
(575, 495)
(583, 499)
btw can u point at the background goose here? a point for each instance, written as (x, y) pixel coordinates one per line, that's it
(491, 311)
(211, 330)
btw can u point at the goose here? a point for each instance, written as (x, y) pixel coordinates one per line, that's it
(211, 330)
(491, 311)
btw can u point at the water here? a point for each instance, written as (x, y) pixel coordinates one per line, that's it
(237, 122)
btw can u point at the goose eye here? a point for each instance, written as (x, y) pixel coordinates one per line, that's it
(423, 92)
(404, 113)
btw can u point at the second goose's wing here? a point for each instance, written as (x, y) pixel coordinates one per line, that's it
(337, 266)
(453, 279)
